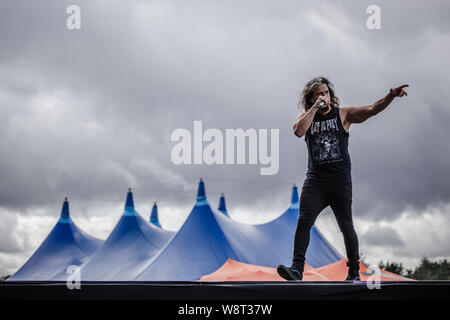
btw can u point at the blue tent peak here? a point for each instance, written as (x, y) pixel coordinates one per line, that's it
(154, 215)
(201, 194)
(222, 206)
(129, 204)
(295, 204)
(65, 217)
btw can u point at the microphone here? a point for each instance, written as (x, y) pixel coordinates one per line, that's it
(322, 106)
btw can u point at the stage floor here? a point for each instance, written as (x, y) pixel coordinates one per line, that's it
(191, 291)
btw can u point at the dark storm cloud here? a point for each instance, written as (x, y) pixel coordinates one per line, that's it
(136, 72)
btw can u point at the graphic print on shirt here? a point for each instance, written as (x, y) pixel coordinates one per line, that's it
(324, 141)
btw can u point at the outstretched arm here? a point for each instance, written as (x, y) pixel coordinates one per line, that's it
(361, 114)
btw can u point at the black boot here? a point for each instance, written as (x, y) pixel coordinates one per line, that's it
(353, 271)
(290, 273)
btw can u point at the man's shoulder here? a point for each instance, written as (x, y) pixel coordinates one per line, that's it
(343, 111)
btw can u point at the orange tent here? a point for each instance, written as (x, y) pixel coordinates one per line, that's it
(238, 271)
(233, 270)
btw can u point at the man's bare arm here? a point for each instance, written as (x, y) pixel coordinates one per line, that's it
(303, 122)
(361, 114)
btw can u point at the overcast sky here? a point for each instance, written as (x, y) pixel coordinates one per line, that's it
(88, 113)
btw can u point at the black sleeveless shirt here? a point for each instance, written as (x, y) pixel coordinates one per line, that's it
(327, 142)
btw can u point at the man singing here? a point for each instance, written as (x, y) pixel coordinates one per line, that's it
(328, 180)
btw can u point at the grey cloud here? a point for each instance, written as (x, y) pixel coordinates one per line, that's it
(382, 236)
(9, 240)
(142, 70)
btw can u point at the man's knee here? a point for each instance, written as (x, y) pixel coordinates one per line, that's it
(347, 226)
(305, 223)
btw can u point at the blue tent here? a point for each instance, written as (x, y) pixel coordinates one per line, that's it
(139, 250)
(198, 248)
(207, 239)
(66, 245)
(128, 249)
(154, 216)
(222, 206)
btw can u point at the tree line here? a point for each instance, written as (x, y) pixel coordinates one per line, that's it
(426, 270)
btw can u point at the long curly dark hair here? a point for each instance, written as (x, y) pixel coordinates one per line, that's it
(308, 91)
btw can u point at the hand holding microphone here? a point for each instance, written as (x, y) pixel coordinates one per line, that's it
(322, 103)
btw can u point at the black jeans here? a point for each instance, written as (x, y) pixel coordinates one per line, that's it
(314, 198)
